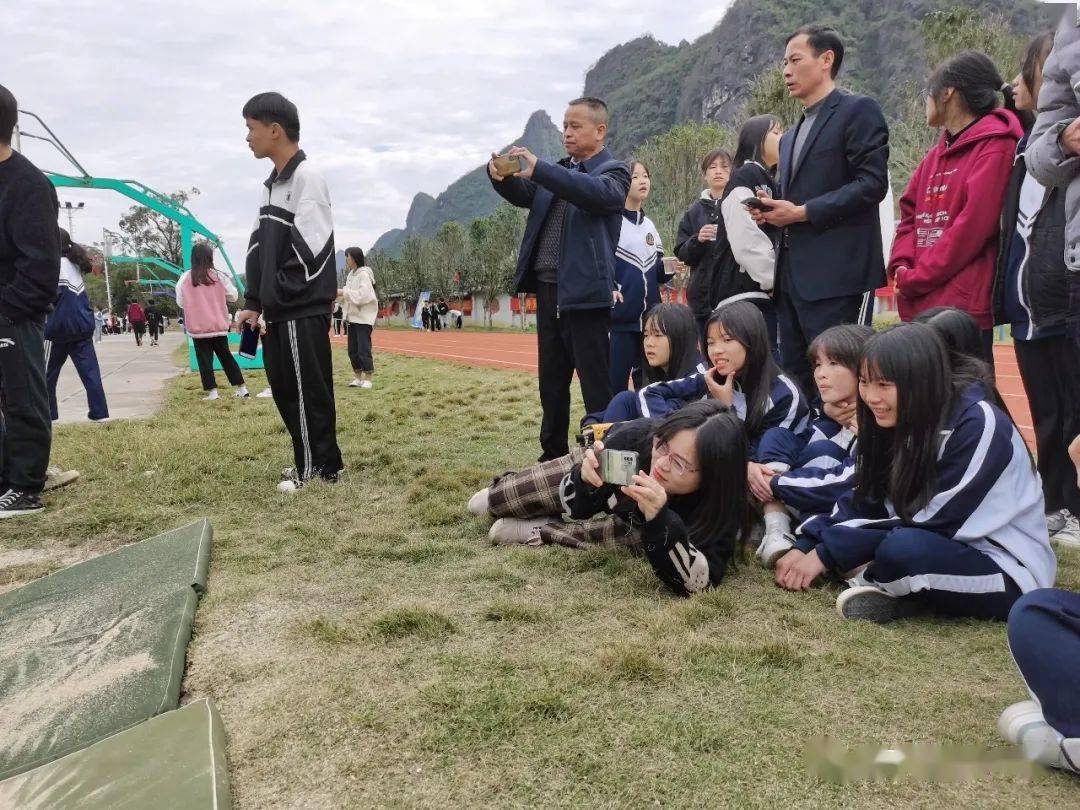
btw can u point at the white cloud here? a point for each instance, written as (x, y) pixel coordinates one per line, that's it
(393, 98)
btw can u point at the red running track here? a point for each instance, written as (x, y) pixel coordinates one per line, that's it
(517, 351)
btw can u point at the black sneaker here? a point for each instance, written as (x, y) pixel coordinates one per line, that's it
(14, 503)
(872, 604)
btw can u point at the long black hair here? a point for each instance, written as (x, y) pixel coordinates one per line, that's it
(202, 262)
(1038, 49)
(356, 254)
(75, 253)
(676, 321)
(975, 78)
(900, 463)
(963, 339)
(723, 515)
(744, 322)
(752, 139)
(842, 344)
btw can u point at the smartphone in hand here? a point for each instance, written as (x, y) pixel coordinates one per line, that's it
(756, 203)
(249, 342)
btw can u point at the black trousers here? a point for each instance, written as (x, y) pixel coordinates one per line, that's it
(300, 370)
(569, 341)
(800, 321)
(360, 348)
(1050, 370)
(205, 349)
(26, 437)
(152, 327)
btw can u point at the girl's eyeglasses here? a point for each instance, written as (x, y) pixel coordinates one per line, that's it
(678, 464)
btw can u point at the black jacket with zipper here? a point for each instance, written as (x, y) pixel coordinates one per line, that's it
(1045, 281)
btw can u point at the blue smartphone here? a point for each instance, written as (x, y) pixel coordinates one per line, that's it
(249, 342)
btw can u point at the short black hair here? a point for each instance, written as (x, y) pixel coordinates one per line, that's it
(274, 108)
(597, 106)
(822, 38)
(9, 115)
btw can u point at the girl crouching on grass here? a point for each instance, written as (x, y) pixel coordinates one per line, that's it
(947, 512)
(806, 473)
(670, 349)
(687, 508)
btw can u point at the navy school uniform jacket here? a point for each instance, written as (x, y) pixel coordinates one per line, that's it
(290, 268)
(986, 495)
(72, 319)
(821, 463)
(595, 191)
(639, 272)
(788, 407)
(683, 566)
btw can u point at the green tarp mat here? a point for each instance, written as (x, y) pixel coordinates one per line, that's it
(174, 760)
(98, 647)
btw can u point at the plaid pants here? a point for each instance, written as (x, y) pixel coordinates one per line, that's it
(534, 492)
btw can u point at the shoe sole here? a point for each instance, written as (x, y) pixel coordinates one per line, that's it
(21, 512)
(874, 606)
(61, 481)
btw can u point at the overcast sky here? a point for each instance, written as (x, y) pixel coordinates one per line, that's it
(394, 98)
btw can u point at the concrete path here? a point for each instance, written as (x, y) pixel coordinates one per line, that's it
(134, 378)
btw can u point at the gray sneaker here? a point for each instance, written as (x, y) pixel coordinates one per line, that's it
(1069, 534)
(870, 603)
(1055, 521)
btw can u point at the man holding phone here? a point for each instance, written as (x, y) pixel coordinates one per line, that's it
(292, 286)
(833, 174)
(567, 259)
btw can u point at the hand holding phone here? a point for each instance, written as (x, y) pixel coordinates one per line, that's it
(249, 342)
(756, 203)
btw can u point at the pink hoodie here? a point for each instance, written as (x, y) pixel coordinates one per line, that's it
(205, 310)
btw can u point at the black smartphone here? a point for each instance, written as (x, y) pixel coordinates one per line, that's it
(756, 203)
(249, 342)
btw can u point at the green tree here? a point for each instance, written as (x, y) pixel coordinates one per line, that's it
(768, 95)
(413, 276)
(494, 242)
(149, 233)
(448, 264)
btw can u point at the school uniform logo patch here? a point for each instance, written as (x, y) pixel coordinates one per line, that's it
(649, 240)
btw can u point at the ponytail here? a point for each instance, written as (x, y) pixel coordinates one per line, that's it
(975, 78)
(75, 253)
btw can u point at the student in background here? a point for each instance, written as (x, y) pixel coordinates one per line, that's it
(154, 322)
(69, 332)
(947, 513)
(639, 272)
(1031, 295)
(203, 293)
(99, 324)
(136, 317)
(748, 271)
(701, 242)
(947, 240)
(360, 307)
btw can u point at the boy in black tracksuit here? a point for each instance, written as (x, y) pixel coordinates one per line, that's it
(29, 273)
(292, 283)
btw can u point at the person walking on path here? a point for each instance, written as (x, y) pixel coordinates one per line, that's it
(833, 174)
(567, 258)
(69, 332)
(203, 293)
(361, 308)
(137, 318)
(154, 322)
(292, 285)
(99, 324)
(29, 273)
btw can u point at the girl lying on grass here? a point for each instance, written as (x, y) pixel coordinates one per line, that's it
(743, 375)
(806, 473)
(946, 513)
(670, 348)
(687, 508)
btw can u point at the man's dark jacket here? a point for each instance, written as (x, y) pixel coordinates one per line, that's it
(841, 178)
(595, 199)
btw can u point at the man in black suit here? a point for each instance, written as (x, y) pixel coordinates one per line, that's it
(567, 259)
(833, 175)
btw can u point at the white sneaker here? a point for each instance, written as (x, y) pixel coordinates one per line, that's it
(1055, 521)
(366, 384)
(242, 392)
(479, 503)
(872, 604)
(1069, 534)
(56, 477)
(355, 383)
(265, 394)
(290, 485)
(102, 421)
(1018, 717)
(774, 545)
(518, 531)
(212, 395)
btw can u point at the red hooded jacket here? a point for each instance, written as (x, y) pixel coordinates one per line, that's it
(947, 240)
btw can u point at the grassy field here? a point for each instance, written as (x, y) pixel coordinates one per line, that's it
(367, 646)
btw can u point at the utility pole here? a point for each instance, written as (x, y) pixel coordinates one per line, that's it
(71, 209)
(106, 252)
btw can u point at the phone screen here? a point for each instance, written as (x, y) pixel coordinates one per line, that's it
(249, 343)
